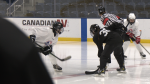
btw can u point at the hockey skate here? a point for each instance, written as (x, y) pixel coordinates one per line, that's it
(143, 55)
(105, 67)
(57, 67)
(121, 70)
(100, 72)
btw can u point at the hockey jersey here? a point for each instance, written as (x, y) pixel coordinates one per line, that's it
(107, 19)
(132, 27)
(106, 36)
(44, 36)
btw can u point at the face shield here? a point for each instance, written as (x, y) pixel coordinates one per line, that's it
(92, 33)
(131, 18)
(61, 30)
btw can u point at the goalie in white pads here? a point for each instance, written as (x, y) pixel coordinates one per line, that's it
(132, 30)
(47, 38)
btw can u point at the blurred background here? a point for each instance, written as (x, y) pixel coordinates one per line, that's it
(73, 8)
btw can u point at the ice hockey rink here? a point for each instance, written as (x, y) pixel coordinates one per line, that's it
(84, 58)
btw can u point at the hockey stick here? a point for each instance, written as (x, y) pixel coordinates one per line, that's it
(142, 45)
(140, 32)
(64, 59)
(144, 48)
(139, 43)
(91, 72)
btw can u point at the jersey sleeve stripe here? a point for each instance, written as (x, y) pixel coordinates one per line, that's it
(105, 20)
(118, 17)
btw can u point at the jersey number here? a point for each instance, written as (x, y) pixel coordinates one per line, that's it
(104, 31)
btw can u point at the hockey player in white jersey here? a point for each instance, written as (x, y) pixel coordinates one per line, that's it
(47, 38)
(132, 30)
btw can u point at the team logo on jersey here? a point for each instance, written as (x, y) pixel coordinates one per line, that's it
(130, 30)
(48, 43)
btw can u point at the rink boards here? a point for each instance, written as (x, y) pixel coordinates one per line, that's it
(75, 29)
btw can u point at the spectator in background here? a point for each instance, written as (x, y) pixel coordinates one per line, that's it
(20, 62)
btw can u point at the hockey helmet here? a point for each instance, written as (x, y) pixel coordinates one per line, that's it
(131, 18)
(101, 10)
(58, 27)
(94, 28)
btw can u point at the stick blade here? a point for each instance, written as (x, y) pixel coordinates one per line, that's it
(67, 58)
(91, 72)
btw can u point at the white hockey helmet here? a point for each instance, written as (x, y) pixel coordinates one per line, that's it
(131, 18)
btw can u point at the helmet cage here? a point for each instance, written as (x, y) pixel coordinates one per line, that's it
(94, 29)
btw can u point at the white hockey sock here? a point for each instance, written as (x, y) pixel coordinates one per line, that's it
(125, 45)
(52, 58)
(138, 46)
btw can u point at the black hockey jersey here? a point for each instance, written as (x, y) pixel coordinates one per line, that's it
(106, 36)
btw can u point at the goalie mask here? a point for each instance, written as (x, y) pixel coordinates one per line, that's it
(131, 18)
(93, 29)
(101, 10)
(57, 27)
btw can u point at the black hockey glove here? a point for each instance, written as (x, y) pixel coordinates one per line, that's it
(32, 37)
(46, 50)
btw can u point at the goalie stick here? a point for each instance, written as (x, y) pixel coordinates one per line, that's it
(64, 59)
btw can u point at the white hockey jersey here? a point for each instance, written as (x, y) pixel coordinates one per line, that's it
(133, 27)
(44, 36)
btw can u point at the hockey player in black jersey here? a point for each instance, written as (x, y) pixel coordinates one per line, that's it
(113, 43)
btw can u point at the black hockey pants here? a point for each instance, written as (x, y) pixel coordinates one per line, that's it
(118, 53)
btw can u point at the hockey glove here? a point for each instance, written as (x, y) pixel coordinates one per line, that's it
(46, 50)
(130, 33)
(138, 39)
(32, 37)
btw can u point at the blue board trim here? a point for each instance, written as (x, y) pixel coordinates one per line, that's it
(83, 29)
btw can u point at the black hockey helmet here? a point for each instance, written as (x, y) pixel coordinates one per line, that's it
(101, 10)
(58, 27)
(131, 18)
(94, 28)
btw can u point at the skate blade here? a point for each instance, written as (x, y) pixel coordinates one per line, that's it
(143, 57)
(58, 70)
(122, 71)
